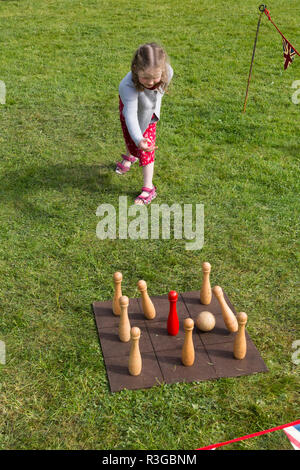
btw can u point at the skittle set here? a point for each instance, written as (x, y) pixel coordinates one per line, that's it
(185, 337)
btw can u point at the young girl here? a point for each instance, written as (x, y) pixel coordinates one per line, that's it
(140, 94)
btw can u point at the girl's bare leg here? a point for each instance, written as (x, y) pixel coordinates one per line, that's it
(148, 171)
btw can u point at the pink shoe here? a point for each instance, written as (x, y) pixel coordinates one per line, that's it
(146, 199)
(121, 169)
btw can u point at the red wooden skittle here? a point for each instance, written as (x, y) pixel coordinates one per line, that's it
(173, 321)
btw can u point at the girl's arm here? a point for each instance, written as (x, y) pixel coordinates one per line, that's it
(129, 97)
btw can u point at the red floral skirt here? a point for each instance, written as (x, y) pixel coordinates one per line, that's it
(150, 133)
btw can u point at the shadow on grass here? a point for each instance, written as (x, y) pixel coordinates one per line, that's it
(75, 181)
(88, 179)
(292, 150)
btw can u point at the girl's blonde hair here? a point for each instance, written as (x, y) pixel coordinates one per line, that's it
(148, 56)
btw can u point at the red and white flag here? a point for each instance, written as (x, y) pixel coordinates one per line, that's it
(292, 431)
(293, 434)
(289, 52)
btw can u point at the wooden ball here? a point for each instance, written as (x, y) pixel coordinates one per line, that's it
(205, 321)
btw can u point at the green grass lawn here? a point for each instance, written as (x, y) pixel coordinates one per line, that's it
(60, 138)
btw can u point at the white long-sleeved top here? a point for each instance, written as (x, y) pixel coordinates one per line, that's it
(139, 106)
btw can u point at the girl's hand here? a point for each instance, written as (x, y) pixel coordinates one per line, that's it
(143, 145)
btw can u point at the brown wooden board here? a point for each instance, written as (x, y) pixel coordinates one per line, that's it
(161, 353)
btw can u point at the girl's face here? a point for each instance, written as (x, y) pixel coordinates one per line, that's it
(150, 77)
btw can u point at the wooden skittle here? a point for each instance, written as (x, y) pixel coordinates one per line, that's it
(124, 324)
(173, 320)
(240, 344)
(205, 292)
(188, 351)
(117, 278)
(147, 305)
(228, 315)
(135, 359)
